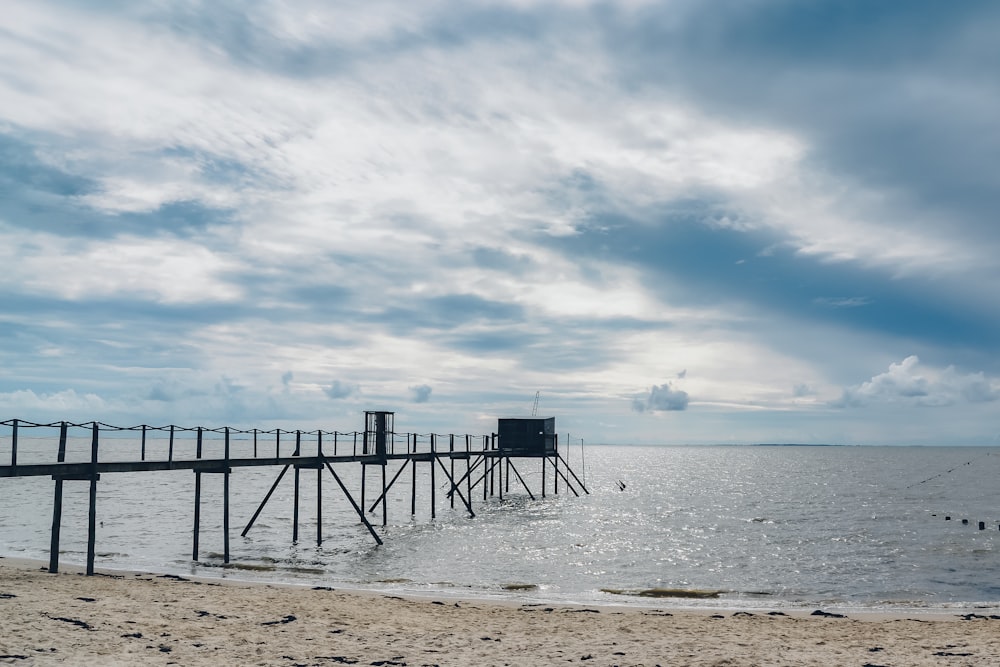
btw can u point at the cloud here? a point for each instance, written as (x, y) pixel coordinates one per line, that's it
(907, 383)
(420, 393)
(66, 403)
(338, 390)
(661, 398)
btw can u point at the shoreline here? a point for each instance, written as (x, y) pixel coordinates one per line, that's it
(121, 618)
(235, 575)
(679, 604)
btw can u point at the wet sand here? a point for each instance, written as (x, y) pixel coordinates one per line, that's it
(118, 618)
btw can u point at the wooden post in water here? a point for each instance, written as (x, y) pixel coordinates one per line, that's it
(451, 459)
(364, 477)
(413, 480)
(225, 504)
(433, 483)
(543, 475)
(295, 501)
(468, 468)
(555, 476)
(170, 448)
(57, 505)
(197, 501)
(92, 513)
(13, 446)
(143, 442)
(319, 488)
(385, 505)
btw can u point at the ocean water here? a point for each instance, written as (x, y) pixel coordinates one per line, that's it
(763, 527)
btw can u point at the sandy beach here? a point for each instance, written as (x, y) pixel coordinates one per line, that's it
(136, 618)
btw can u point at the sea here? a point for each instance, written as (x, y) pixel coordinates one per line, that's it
(734, 527)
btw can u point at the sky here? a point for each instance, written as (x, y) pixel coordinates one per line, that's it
(678, 222)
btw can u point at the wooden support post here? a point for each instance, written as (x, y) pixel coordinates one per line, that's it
(197, 501)
(13, 446)
(468, 467)
(92, 513)
(555, 477)
(255, 443)
(143, 442)
(433, 482)
(170, 447)
(508, 474)
(413, 489)
(277, 443)
(57, 505)
(451, 448)
(385, 505)
(225, 504)
(319, 489)
(364, 478)
(295, 500)
(543, 476)
(295, 509)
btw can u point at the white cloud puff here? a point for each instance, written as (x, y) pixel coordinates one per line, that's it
(907, 382)
(664, 397)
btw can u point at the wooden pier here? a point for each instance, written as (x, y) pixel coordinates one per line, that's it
(468, 465)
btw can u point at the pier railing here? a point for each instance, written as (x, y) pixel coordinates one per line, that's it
(25, 443)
